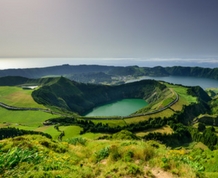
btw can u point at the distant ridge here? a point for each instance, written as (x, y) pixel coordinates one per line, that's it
(53, 70)
(85, 71)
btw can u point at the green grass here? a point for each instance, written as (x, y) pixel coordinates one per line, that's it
(92, 136)
(112, 123)
(165, 129)
(70, 131)
(165, 113)
(16, 96)
(28, 118)
(182, 92)
(99, 158)
(54, 133)
(51, 131)
(25, 127)
(167, 101)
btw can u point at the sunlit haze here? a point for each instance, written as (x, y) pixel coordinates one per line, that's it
(108, 32)
(45, 62)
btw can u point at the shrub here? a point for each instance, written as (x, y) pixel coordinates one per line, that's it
(77, 140)
(103, 153)
(128, 156)
(134, 169)
(124, 135)
(57, 147)
(201, 127)
(148, 153)
(114, 153)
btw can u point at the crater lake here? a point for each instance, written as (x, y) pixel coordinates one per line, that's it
(123, 107)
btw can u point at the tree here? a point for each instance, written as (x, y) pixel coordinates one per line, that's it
(201, 127)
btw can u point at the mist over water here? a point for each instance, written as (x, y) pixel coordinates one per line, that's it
(14, 63)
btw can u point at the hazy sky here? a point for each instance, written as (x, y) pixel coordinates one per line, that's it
(133, 29)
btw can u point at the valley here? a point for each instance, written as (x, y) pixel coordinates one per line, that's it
(178, 119)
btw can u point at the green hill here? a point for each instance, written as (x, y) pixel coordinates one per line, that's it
(100, 147)
(81, 98)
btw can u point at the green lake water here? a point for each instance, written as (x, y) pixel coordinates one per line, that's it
(123, 107)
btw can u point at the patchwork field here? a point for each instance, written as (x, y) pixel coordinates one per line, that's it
(32, 120)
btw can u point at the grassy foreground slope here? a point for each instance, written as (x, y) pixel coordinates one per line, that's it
(38, 156)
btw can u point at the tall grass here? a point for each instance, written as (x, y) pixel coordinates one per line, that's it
(37, 156)
(16, 155)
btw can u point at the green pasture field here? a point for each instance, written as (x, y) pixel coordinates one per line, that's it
(70, 131)
(27, 118)
(169, 97)
(167, 101)
(166, 129)
(179, 105)
(19, 126)
(182, 92)
(51, 131)
(24, 127)
(16, 96)
(165, 113)
(112, 123)
(92, 136)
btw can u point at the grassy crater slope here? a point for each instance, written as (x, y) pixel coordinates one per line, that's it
(37, 156)
(81, 98)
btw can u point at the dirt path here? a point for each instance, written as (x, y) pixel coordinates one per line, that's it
(158, 173)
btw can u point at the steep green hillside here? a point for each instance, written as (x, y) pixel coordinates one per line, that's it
(81, 98)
